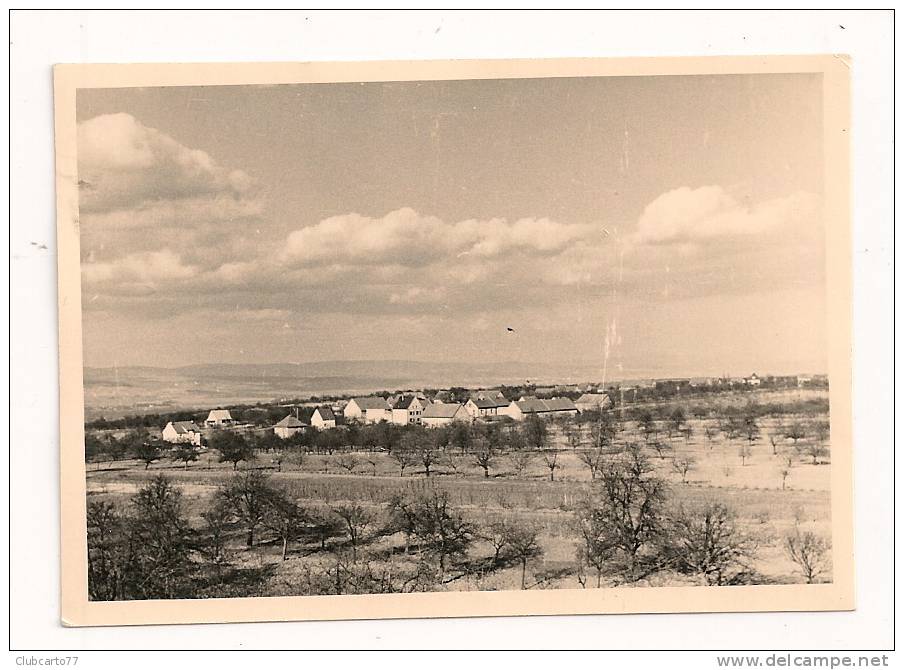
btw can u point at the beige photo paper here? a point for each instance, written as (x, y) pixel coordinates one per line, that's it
(454, 338)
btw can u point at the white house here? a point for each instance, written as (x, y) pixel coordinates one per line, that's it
(371, 409)
(593, 401)
(288, 427)
(182, 432)
(323, 418)
(219, 418)
(520, 409)
(752, 380)
(444, 413)
(408, 409)
(481, 407)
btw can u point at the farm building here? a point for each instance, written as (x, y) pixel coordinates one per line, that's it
(219, 418)
(408, 409)
(483, 407)
(520, 409)
(289, 427)
(593, 401)
(444, 413)
(752, 380)
(371, 409)
(182, 432)
(323, 417)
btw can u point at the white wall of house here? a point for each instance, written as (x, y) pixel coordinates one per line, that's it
(319, 422)
(169, 434)
(286, 432)
(376, 415)
(352, 411)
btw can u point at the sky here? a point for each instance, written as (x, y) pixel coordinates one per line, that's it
(655, 226)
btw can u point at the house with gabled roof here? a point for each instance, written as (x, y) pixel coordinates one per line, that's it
(289, 426)
(530, 405)
(593, 402)
(443, 413)
(482, 407)
(369, 409)
(322, 418)
(182, 432)
(407, 409)
(219, 418)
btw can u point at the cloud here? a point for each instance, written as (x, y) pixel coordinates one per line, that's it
(123, 164)
(688, 216)
(146, 270)
(405, 237)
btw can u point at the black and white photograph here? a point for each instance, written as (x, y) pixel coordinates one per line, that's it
(457, 335)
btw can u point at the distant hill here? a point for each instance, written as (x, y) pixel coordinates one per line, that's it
(113, 392)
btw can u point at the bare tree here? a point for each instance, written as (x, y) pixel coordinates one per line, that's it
(429, 454)
(247, 496)
(440, 529)
(676, 421)
(706, 541)
(796, 431)
(520, 460)
(404, 457)
(809, 551)
(682, 466)
(372, 460)
(284, 518)
(814, 450)
(709, 432)
(497, 534)
(574, 434)
(776, 437)
(484, 455)
(524, 544)
(186, 453)
(348, 462)
(788, 459)
(744, 452)
(551, 459)
(661, 447)
(621, 525)
(751, 430)
(232, 447)
(356, 519)
(147, 453)
(216, 518)
(593, 459)
(783, 473)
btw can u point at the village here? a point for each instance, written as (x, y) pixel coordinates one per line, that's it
(444, 407)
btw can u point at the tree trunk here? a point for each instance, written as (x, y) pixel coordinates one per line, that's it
(285, 548)
(523, 574)
(235, 466)
(250, 541)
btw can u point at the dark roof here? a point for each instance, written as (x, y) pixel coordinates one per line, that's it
(404, 402)
(485, 403)
(535, 406)
(290, 422)
(326, 413)
(185, 427)
(560, 405)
